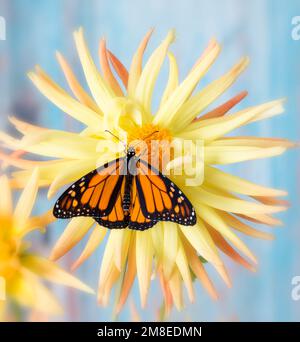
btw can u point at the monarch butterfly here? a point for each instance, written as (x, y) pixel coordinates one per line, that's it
(126, 192)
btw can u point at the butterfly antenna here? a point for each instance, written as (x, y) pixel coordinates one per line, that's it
(146, 137)
(145, 151)
(115, 136)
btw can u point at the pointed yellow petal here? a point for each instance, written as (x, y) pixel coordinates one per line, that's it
(118, 235)
(27, 165)
(101, 92)
(199, 102)
(228, 250)
(136, 64)
(66, 103)
(26, 202)
(261, 219)
(271, 112)
(48, 170)
(25, 127)
(74, 84)
(119, 67)
(9, 141)
(107, 73)
(252, 141)
(144, 255)
(235, 154)
(45, 77)
(59, 144)
(71, 174)
(158, 240)
(183, 267)
(168, 301)
(238, 225)
(232, 183)
(199, 270)
(197, 237)
(145, 86)
(271, 200)
(109, 273)
(94, 241)
(229, 204)
(6, 205)
(173, 78)
(111, 255)
(128, 277)
(211, 45)
(135, 317)
(52, 272)
(73, 233)
(176, 289)
(104, 292)
(209, 252)
(107, 265)
(169, 112)
(170, 247)
(16, 161)
(215, 128)
(211, 216)
(223, 108)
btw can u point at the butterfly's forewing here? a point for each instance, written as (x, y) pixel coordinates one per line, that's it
(95, 194)
(160, 199)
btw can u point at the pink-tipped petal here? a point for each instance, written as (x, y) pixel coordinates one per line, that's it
(107, 73)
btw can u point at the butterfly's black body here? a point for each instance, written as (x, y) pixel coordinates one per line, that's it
(129, 179)
(126, 197)
(137, 199)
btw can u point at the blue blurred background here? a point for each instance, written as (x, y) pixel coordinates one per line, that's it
(261, 29)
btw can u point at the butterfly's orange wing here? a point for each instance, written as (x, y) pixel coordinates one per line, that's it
(97, 194)
(100, 194)
(159, 199)
(117, 218)
(138, 221)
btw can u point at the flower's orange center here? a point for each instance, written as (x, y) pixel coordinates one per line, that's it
(151, 143)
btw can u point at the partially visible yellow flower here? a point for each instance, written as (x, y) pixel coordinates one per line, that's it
(225, 204)
(20, 269)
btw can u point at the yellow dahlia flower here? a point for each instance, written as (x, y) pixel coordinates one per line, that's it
(225, 204)
(21, 270)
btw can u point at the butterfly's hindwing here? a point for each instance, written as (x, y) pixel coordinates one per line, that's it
(117, 218)
(138, 221)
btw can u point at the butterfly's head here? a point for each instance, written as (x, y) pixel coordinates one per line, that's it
(130, 151)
